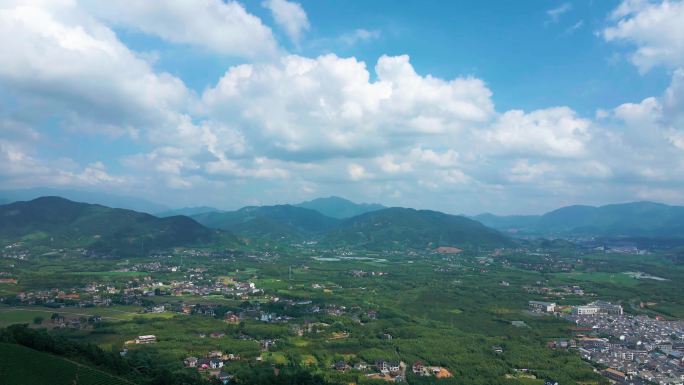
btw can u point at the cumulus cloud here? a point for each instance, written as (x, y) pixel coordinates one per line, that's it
(20, 165)
(290, 16)
(272, 130)
(57, 60)
(328, 106)
(552, 132)
(221, 26)
(655, 29)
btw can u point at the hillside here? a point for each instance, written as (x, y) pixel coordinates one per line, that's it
(340, 208)
(58, 222)
(21, 365)
(280, 221)
(401, 227)
(94, 197)
(637, 219)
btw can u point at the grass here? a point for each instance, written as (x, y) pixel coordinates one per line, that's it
(21, 366)
(601, 277)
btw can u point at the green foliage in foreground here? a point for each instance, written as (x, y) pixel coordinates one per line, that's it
(20, 365)
(30, 356)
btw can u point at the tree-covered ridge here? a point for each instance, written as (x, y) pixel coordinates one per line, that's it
(269, 221)
(58, 222)
(401, 227)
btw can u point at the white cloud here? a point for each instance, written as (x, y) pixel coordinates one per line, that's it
(327, 107)
(58, 60)
(573, 28)
(359, 35)
(224, 27)
(357, 172)
(290, 16)
(327, 125)
(555, 13)
(656, 29)
(551, 132)
(20, 167)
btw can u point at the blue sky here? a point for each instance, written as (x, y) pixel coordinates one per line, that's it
(465, 107)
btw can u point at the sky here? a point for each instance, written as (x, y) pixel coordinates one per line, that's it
(464, 107)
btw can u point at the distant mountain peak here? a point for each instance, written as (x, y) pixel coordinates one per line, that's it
(340, 208)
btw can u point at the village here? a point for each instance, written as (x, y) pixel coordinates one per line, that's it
(634, 349)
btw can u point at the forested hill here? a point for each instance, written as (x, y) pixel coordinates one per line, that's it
(402, 227)
(58, 222)
(279, 221)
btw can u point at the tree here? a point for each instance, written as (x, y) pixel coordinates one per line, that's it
(38, 320)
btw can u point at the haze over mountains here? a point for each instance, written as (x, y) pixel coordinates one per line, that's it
(270, 221)
(637, 219)
(340, 208)
(94, 197)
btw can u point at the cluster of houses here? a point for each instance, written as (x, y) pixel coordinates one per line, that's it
(135, 291)
(213, 360)
(639, 349)
(560, 291)
(394, 370)
(593, 308)
(422, 369)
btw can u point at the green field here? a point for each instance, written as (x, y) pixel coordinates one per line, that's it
(13, 315)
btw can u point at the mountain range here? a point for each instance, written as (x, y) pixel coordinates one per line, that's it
(58, 222)
(275, 222)
(636, 219)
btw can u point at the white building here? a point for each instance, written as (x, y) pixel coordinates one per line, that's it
(147, 339)
(540, 306)
(585, 310)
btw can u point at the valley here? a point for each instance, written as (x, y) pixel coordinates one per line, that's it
(337, 310)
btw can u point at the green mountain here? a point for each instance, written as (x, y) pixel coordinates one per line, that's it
(646, 219)
(340, 208)
(637, 219)
(280, 221)
(58, 222)
(396, 227)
